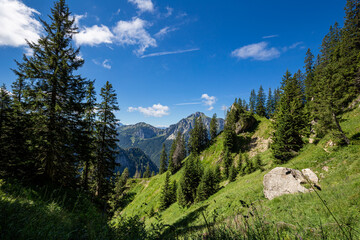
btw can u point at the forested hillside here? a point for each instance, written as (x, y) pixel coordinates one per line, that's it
(60, 176)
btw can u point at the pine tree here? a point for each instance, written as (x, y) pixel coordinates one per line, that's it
(227, 162)
(56, 97)
(333, 88)
(189, 181)
(260, 102)
(207, 187)
(213, 127)
(232, 173)
(309, 72)
(163, 160)
(252, 101)
(289, 121)
(147, 172)
(106, 139)
(198, 137)
(217, 176)
(171, 154)
(240, 164)
(165, 197)
(88, 146)
(258, 163)
(179, 153)
(270, 105)
(229, 131)
(349, 51)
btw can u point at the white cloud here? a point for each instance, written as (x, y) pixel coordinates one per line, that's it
(257, 51)
(143, 5)
(106, 64)
(157, 110)
(18, 23)
(208, 101)
(164, 31)
(169, 52)
(270, 36)
(77, 19)
(94, 35)
(169, 11)
(133, 33)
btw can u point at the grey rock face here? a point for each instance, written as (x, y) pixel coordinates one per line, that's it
(280, 181)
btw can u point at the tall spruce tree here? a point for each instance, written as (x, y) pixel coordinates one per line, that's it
(270, 104)
(163, 160)
(289, 121)
(147, 172)
(198, 137)
(260, 102)
(332, 87)
(252, 101)
(57, 94)
(106, 139)
(166, 191)
(180, 152)
(213, 127)
(309, 75)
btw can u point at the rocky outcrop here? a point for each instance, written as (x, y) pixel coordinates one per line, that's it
(280, 181)
(245, 123)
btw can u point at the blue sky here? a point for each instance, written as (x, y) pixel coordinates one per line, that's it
(168, 59)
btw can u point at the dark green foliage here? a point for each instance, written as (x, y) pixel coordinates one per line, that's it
(227, 162)
(240, 164)
(165, 197)
(249, 166)
(163, 160)
(152, 174)
(55, 97)
(260, 102)
(232, 173)
(119, 190)
(229, 130)
(208, 186)
(213, 127)
(171, 167)
(217, 175)
(270, 105)
(198, 137)
(309, 75)
(289, 119)
(179, 153)
(147, 172)
(189, 181)
(106, 140)
(258, 163)
(252, 101)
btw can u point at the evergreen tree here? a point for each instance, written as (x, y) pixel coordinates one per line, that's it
(258, 163)
(56, 97)
(232, 173)
(171, 163)
(173, 192)
(217, 176)
(207, 186)
(163, 160)
(289, 121)
(147, 172)
(87, 144)
(213, 127)
(270, 105)
(189, 181)
(179, 153)
(252, 101)
(260, 102)
(106, 139)
(165, 197)
(240, 164)
(198, 137)
(309, 72)
(229, 131)
(227, 162)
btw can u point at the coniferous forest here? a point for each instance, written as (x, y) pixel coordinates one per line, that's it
(59, 143)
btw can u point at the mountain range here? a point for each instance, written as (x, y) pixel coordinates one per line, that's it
(150, 139)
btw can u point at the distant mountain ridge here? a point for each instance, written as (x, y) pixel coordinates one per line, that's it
(150, 139)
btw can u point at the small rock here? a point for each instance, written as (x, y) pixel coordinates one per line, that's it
(310, 175)
(325, 168)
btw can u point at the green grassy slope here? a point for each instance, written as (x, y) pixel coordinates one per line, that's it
(340, 186)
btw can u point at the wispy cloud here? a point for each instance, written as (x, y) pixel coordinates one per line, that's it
(169, 11)
(270, 36)
(157, 110)
(18, 23)
(143, 5)
(164, 31)
(188, 103)
(293, 46)
(133, 33)
(105, 63)
(208, 100)
(257, 51)
(169, 52)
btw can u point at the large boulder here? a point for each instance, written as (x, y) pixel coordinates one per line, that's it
(280, 181)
